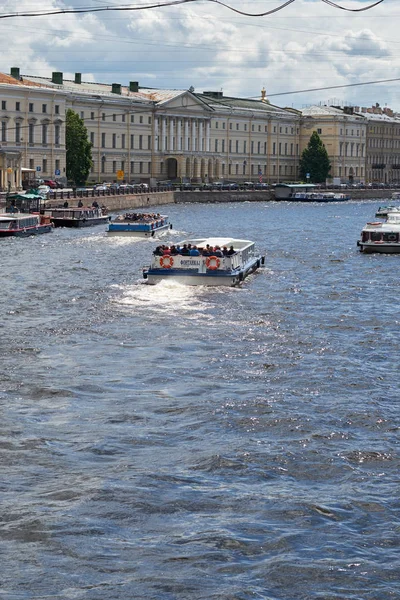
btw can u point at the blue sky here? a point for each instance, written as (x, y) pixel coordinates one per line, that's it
(306, 45)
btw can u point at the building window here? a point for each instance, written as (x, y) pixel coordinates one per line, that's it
(57, 109)
(274, 148)
(140, 167)
(114, 142)
(244, 147)
(103, 140)
(103, 116)
(44, 165)
(245, 126)
(237, 146)
(123, 117)
(230, 146)
(230, 125)
(132, 140)
(4, 104)
(216, 145)
(92, 138)
(44, 133)
(149, 122)
(114, 119)
(216, 125)
(140, 121)
(103, 164)
(30, 106)
(17, 133)
(223, 127)
(149, 142)
(114, 166)
(319, 131)
(57, 164)
(82, 115)
(44, 108)
(123, 141)
(223, 146)
(149, 167)
(140, 142)
(31, 133)
(132, 118)
(237, 126)
(258, 147)
(92, 116)
(18, 106)
(31, 163)
(132, 166)
(57, 135)
(123, 166)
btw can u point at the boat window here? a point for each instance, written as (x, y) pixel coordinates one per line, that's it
(376, 236)
(390, 237)
(365, 236)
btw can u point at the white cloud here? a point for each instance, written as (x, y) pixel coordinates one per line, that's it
(307, 45)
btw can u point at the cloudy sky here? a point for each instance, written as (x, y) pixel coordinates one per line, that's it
(306, 45)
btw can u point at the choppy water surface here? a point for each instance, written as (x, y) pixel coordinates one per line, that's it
(184, 443)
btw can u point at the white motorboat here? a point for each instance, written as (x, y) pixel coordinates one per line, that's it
(139, 224)
(217, 261)
(381, 236)
(383, 211)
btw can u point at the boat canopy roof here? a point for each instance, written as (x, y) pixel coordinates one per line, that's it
(218, 241)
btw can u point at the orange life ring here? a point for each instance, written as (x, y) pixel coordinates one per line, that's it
(166, 261)
(212, 263)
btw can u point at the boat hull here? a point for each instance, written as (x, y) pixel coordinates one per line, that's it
(211, 278)
(129, 230)
(379, 247)
(79, 222)
(27, 231)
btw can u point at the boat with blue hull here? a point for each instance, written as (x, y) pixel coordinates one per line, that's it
(214, 261)
(24, 224)
(139, 224)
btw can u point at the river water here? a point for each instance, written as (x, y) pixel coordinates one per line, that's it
(188, 443)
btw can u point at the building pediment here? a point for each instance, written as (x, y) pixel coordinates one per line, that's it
(186, 102)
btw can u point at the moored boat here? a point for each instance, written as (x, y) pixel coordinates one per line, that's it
(139, 224)
(24, 224)
(76, 217)
(381, 236)
(214, 261)
(383, 211)
(319, 196)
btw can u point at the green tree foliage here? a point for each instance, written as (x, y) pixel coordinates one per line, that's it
(315, 161)
(78, 149)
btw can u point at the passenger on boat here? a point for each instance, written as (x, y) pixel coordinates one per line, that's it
(194, 251)
(158, 251)
(185, 250)
(225, 251)
(231, 251)
(217, 252)
(166, 251)
(207, 251)
(174, 251)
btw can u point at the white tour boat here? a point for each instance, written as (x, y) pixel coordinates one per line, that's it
(381, 236)
(139, 224)
(219, 261)
(319, 196)
(383, 211)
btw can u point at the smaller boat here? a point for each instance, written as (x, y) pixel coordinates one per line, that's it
(139, 224)
(381, 236)
(24, 224)
(205, 261)
(395, 196)
(383, 211)
(76, 217)
(319, 197)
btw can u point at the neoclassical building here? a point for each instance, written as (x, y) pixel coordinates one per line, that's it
(148, 135)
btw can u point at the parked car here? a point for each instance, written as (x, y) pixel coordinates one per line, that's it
(52, 184)
(44, 190)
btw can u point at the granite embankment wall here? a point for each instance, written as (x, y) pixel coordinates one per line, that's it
(134, 200)
(265, 196)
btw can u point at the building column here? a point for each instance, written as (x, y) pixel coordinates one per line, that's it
(201, 134)
(186, 144)
(156, 134)
(171, 135)
(194, 147)
(179, 135)
(208, 137)
(163, 133)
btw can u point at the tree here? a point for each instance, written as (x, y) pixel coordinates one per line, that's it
(315, 161)
(78, 148)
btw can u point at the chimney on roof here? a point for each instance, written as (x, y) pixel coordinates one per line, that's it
(348, 110)
(14, 72)
(133, 86)
(78, 77)
(57, 77)
(116, 88)
(214, 94)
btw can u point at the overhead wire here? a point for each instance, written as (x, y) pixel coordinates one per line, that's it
(173, 3)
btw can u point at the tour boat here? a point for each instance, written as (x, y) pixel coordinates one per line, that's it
(213, 269)
(381, 236)
(383, 211)
(23, 224)
(319, 196)
(139, 224)
(76, 217)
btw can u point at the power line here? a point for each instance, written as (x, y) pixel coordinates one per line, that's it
(174, 3)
